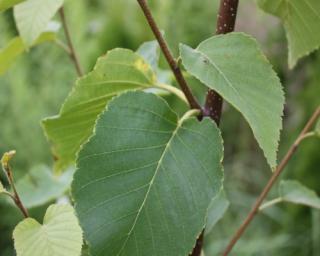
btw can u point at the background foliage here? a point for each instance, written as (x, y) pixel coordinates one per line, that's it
(37, 84)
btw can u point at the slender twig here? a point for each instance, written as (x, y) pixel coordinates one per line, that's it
(213, 106)
(169, 57)
(8, 171)
(272, 180)
(72, 52)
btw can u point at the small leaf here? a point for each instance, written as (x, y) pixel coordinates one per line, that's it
(2, 189)
(294, 192)
(15, 48)
(145, 179)
(7, 156)
(217, 209)
(6, 4)
(33, 16)
(234, 66)
(301, 19)
(150, 51)
(40, 186)
(118, 71)
(60, 234)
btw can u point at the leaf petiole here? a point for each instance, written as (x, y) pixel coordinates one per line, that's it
(173, 90)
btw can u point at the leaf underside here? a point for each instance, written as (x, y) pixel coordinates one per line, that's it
(234, 66)
(118, 71)
(145, 180)
(301, 19)
(33, 16)
(40, 186)
(60, 234)
(294, 192)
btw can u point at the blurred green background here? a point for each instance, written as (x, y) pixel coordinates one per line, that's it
(37, 84)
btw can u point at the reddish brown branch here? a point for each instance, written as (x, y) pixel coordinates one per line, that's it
(169, 57)
(213, 106)
(19, 203)
(71, 50)
(271, 182)
(226, 22)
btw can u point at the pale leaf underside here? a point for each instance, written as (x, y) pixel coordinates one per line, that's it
(40, 186)
(294, 192)
(60, 234)
(33, 16)
(118, 71)
(234, 66)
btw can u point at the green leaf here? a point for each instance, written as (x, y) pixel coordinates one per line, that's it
(60, 234)
(294, 192)
(234, 66)
(118, 71)
(33, 16)
(301, 19)
(40, 186)
(217, 209)
(16, 47)
(6, 4)
(2, 189)
(150, 51)
(145, 179)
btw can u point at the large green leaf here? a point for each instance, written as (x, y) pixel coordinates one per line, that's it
(16, 47)
(145, 179)
(6, 4)
(235, 67)
(118, 71)
(40, 186)
(33, 16)
(301, 19)
(60, 234)
(294, 192)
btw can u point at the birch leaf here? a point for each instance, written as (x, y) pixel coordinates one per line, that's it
(145, 179)
(235, 67)
(60, 234)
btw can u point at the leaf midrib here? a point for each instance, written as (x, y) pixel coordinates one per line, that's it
(179, 124)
